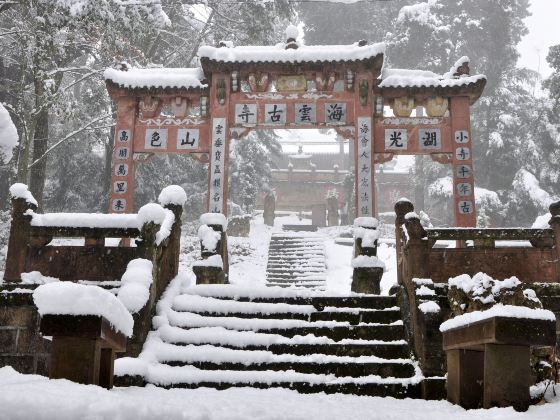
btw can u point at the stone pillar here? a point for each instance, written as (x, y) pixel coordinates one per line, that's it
(507, 373)
(319, 215)
(332, 211)
(416, 263)
(402, 207)
(122, 174)
(269, 208)
(367, 280)
(464, 207)
(19, 239)
(205, 272)
(465, 373)
(555, 226)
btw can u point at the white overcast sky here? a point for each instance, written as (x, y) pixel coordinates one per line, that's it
(544, 32)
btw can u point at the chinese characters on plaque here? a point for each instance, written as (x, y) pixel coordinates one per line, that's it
(187, 138)
(123, 136)
(217, 165)
(304, 113)
(245, 113)
(429, 139)
(396, 139)
(463, 171)
(335, 113)
(156, 138)
(121, 172)
(275, 113)
(364, 167)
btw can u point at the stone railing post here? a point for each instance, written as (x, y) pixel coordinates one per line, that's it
(555, 226)
(416, 251)
(269, 208)
(332, 211)
(210, 271)
(20, 230)
(367, 269)
(402, 207)
(174, 243)
(172, 198)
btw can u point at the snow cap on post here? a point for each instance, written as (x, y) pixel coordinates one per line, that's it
(172, 194)
(209, 237)
(151, 212)
(214, 219)
(19, 190)
(366, 222)
(67, 298)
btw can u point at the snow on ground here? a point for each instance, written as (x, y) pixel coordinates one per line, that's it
(248, 256)
(36, 397)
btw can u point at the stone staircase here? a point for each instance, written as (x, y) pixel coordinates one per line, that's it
(220, 336)
(296, 259)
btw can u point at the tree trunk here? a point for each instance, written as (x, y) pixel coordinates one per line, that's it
(109, 146)
(40, 145)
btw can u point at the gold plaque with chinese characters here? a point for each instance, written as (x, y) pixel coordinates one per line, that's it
(291, 83)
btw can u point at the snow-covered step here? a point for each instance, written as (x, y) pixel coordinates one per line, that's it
(296, 260)
(229, 336)
(293, 327)
(167, 376)
(217, 358)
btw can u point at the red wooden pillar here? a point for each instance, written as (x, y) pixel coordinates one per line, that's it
(364, 179)
(464, 207)
(218, 167)
(122, 177)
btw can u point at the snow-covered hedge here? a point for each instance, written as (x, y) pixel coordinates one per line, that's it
(480, 292)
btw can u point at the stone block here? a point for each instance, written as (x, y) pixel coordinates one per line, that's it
(506, 376)
(43, 361)
(18, 316)
(239, 226)
(209, 275)
(8, 340)
(465, 372)
(23, 364)
(31, 341)
(367, 280)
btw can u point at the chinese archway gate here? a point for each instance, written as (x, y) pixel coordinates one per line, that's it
(198, 111)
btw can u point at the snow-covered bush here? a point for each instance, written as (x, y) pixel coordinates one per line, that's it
(480, 292)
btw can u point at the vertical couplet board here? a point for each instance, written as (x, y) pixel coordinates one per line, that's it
(364, 182)
(122, 167)
(219, 145)
(217, 199)
(462, 161)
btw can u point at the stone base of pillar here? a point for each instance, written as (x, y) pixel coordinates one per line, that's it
(367, 280)
(209, 275)
(507, 373)
(465, 373)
